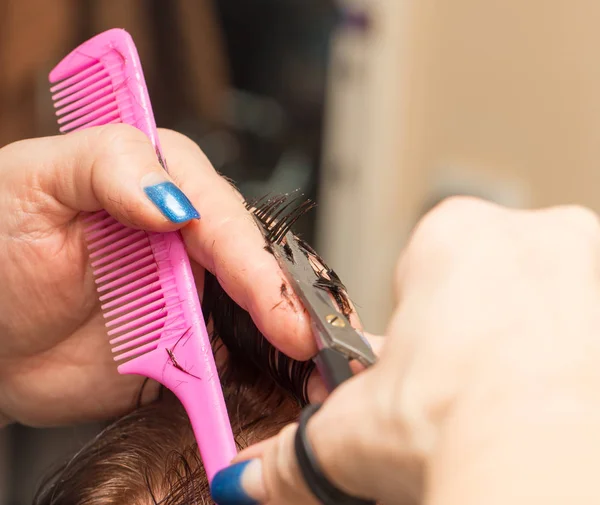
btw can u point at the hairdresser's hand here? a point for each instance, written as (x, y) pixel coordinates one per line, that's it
(488, 387)
(55, 360)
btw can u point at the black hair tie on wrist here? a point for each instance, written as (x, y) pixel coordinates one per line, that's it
(311, 470)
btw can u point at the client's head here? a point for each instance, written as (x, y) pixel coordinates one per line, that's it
(150, 456)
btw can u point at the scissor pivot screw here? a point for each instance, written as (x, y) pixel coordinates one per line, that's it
(336, 321)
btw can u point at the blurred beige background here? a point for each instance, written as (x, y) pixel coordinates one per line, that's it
(498, 97)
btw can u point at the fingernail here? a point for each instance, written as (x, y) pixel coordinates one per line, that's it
(171, 201)
(239, 484)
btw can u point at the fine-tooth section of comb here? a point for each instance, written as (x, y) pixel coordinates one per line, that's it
(144, 280)
(138, 298)
(88, 98)
(93, 86)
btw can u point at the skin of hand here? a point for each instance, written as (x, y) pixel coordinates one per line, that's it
(55, 361)
(487, 387)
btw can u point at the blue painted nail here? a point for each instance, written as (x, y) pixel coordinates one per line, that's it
(226, 487)
(171, 201)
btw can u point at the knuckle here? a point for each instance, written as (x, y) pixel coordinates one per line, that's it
(582, 217)
(175, 136)
(456, 208)
(115, 145)
(174, 140)
(119, 138)
(181, 151)
(449, 224)
(448, 234)
(572, 228)
(177, 144)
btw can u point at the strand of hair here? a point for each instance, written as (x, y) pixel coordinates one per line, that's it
(265, 211)
(294, 217)
(284, 225)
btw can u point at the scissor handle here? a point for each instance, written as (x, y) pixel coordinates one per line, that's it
(333, 367)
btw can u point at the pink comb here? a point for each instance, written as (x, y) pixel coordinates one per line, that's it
(145, 281)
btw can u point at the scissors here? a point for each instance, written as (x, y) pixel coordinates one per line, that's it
(338, 342)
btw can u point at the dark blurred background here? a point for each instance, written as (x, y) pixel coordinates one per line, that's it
(245, 80)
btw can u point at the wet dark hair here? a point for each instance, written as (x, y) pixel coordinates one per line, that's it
(150, 455)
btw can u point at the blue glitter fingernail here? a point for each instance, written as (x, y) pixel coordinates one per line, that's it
(171, 201)
(227, 489)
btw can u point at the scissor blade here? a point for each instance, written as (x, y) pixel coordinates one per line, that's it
(332, 329)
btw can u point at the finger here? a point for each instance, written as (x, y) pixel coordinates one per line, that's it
(355, 447)
(228, 242)
(112, 167)
(317, 391)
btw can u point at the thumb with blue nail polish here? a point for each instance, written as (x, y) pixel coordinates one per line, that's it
(239, 484)
(126, 179)
(168, 198)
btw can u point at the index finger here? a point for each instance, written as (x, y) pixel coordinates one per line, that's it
(228, 243)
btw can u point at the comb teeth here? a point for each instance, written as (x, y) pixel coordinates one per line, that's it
(89, 69)
(135, 302)
(86, 98)
(139, 299)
